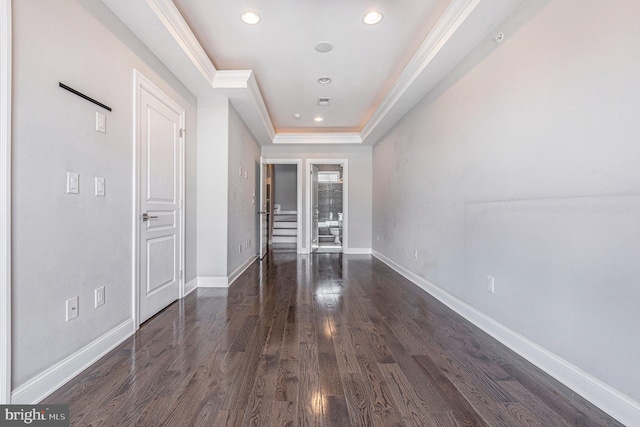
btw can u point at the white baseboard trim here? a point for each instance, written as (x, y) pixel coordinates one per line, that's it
(213, 282)
(358, 251)
(45, 383)
(241, 269)
(611, 401)
(190, 286)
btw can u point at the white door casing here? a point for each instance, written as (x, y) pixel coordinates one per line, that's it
(159, 200)
(299, 197)
(5, 201)
(265, 206)
(314, 207)
(345, 200)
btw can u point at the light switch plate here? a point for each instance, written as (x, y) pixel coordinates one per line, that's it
(72, 308)
(101, 122)
(73, 183)
(100, 189)
(99, 297)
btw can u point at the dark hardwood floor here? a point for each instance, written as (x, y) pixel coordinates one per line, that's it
(318, 340)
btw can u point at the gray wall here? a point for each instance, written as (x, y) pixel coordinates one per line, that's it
(360, 199)
(285, 187)
(244, 152)
(67, 245)
(524, 166)
(213, 176)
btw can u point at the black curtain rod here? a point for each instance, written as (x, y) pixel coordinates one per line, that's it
(82, 95)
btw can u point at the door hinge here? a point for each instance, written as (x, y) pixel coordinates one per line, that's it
(183, 131)
(180, 275)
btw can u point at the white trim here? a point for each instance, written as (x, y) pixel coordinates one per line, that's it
(241, 87)
(141, 82)
(455, 15)
(5, 202)
(318, 138)
(299, 171)
(175, 24)
(600, 394)
(345, 200)
(45, 383)
(241, 269)
(213, 282)
(357, 251)
(190, 286)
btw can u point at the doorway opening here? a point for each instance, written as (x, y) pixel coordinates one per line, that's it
(282, 228)
(328, 207)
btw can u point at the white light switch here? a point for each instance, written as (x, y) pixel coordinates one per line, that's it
(101, 122)
(73, 183)
(100, 191)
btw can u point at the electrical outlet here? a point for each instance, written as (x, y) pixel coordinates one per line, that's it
(72, 308)
(240, 248)
(378, 237)
(99, 296)
(491, 285)
(415, 254)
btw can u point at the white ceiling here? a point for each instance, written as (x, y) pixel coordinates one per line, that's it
(364, 64)
(269, 71)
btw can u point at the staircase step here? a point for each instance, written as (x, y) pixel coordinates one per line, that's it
(284, 239)
(280, 224)
(285, 232)
(285, 218)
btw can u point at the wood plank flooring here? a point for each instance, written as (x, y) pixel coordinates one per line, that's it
(318, 340)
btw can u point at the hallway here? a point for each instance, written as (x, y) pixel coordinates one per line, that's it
(317, 340)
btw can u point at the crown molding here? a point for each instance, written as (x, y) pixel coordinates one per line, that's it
(318, 138)
(161, 27)
(173, 21)
(463, 26)
(242, 89)
(454, 16)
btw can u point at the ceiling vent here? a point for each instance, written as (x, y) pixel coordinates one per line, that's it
(324, 102)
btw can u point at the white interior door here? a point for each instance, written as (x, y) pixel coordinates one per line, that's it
(265, 208)
(160, 200)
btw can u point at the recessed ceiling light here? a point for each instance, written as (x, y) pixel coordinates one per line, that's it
(372, 18)
(251, 18)
(297, 116)
(324, 47)
(324, 80)
(318, 119)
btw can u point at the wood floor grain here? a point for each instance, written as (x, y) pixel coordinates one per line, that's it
(318, 340)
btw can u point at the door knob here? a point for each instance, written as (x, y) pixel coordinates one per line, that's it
(147, 217)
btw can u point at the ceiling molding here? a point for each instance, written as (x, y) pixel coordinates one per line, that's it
(173, 21)
(159, 25)
(241, 87)
(451, 20)
(318, 138)
(459, 31)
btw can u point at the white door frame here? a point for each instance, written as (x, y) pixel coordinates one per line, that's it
(345, 199)
(297, 162)
(5, 202)
(141, 82)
